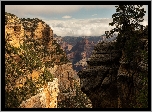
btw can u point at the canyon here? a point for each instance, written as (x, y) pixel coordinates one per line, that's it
(44, 70)
(43, 74)
(110, 81)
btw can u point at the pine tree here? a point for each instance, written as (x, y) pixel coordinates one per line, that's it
(127, 20)
(129, 40)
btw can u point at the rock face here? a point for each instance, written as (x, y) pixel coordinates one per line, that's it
(14, 27)
(99, 80)
(38, 58)
(18, 28)
(47, 98)
(111, 82)
(66, 77)
(80, 53)
(132, 82)
(67, 47)
(31, 52)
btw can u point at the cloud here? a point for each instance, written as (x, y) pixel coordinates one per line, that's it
(68, 26)
(41, 10)
(80, 27)
(94, 14)
(66, 17)
(145, 21)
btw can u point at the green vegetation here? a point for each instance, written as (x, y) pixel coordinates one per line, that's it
(126, 19)
(32, 55)
(30, 24)
(19, 62)
(11, 16)
(130, 40)
(80, 100)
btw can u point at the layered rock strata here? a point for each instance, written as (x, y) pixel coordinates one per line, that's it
(110, 81)
(32, 45)
(99, 80)
(80, 53)
(132, 79)
(66, 77)
(46, 98)
(17, 28)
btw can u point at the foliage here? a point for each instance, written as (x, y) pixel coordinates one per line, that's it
(130, 35)
(12, 16)
(142, 97)
(29, 57)
(30, 24)
(126, 19)
(32, 55)
(80, 100)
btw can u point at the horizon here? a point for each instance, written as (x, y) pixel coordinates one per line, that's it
(80, 20)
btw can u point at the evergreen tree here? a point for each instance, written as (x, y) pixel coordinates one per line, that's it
(129, 40)
(127, 20)
(19, 62)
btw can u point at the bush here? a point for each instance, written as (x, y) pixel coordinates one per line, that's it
(30, 56)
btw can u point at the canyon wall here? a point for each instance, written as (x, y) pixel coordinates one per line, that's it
(111, 82)
(99, 80)
(38, 72)
(46, 98)
(31, 56)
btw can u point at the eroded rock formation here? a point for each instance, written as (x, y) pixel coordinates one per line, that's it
(14, 27)
(80, 53)
(99, 81)
(33, 58)
(46, 98)
(111, 82)
(30, 52)
(66, 76)
(132, 80)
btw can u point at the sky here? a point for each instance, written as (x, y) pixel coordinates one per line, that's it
(71, 20)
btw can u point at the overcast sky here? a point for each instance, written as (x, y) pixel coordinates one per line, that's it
(71, 20)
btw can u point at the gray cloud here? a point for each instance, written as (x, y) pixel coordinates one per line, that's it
(73, 27)
(39, 10)
(94, 14)
(66, 17)
(80, 27)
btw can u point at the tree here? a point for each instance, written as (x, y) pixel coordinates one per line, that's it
(18, 63)
(130, 41)
(79, 100)
(127, 21)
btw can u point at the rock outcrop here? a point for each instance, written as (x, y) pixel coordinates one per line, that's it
(99, 79)
(111, 82)
(19, 28)
(14, 27)
(33, 59)
(66, 77)
(132, 79)
(46, 98)
(30, 53)
(80, 53)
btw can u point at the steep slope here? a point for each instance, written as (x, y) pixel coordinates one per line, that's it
(110, 81)
(99, 79)
(80, 53)
(30, 52)
(37, 71)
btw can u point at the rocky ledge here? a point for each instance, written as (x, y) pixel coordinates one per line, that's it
(112, 82)
(99, 80)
